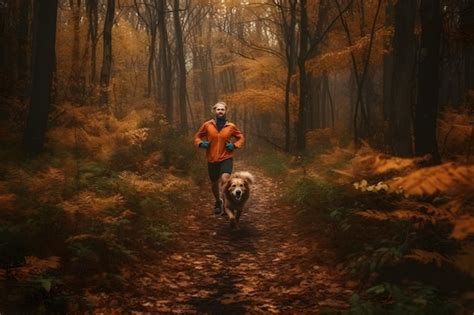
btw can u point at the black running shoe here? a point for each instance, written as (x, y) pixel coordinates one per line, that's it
(219, 206)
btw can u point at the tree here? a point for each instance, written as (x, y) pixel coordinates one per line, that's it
(303, 84)
(428, 81)
(93, 18)
(165, 62)
(402, 79)
(107, 53)
(181, 67)
(288, 24)
(150, 18)
(44, 40)
(23, 38)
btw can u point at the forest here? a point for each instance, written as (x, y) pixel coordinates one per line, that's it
(358, 117)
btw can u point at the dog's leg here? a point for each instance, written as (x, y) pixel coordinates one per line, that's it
(229, 213)
(237, 219)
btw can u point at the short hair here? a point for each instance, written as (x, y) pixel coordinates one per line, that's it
(217, 104)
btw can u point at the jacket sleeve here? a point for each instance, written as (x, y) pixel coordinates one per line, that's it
(200, 134)
(239, 136)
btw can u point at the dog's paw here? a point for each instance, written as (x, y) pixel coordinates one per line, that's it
(233, 223)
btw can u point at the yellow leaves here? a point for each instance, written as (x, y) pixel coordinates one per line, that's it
(426, 257)
(125, 215)
(47, 185)
(167, 184)
(421, 212)
(262, 71)
(89, 202)
(445, 178)
(140, 184)
(137, 136)
(97, 130)
(395, 215)
(315, 137)
(260, 100)
(339, 58)
(368, 162)
(463, 227)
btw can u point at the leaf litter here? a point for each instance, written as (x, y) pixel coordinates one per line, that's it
(268, 266)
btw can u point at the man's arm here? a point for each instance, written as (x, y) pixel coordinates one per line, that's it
(200, 134)
(239, 136)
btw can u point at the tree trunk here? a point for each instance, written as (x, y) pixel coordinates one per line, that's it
(43, 65)
(387, 63)
(290, 53)
(165, 62)
(76, 45)
(402, 80)
(93, 16)
(181, 68)
(151, 60)
(107, 54)
(428, 81)
(23, 46)
(302, 110)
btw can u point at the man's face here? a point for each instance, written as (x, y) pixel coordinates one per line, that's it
(220, 111)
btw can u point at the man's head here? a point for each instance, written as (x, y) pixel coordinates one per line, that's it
(219, 109)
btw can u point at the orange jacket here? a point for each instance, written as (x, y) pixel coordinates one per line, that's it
(218, 139)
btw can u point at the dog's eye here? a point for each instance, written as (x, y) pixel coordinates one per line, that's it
(233, 185)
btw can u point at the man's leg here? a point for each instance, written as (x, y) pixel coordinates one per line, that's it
(214, 175)
(218, 205)
(215, 189)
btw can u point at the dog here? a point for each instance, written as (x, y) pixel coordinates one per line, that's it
(236, 192)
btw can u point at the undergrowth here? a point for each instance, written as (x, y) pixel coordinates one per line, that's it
(404, 250)
(71, 212)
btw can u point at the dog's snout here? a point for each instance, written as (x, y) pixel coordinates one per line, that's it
(238, 192)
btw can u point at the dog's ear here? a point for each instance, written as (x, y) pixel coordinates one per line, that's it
(246, 176)
(225, 184)
(249, 178)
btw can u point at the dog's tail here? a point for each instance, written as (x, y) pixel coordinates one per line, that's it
(245, 175)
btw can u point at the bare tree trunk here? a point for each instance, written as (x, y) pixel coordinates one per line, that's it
(43, 65)
(290, 53)
(165, 62)
(428, 81)
(387, 63)
(93, 17)
(107, 55)
(76, 45)
(402, 80)
(181, 67)
(302, 110)
(23, 46)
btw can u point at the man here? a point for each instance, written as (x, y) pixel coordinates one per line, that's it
(215, 137)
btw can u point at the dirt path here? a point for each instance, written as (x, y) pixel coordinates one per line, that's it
(265, 267)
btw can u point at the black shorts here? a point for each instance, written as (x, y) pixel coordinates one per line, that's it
(216, 169)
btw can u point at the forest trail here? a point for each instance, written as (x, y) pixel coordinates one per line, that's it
(267, 266)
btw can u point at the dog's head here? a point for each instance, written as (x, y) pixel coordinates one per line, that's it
(238, 184)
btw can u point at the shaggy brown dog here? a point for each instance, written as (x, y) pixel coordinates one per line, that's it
(236, 192)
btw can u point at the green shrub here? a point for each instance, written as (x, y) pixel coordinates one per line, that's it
(273, 162)
(409, 299)
(313, 194)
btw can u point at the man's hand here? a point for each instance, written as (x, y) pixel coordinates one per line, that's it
(204, 145)
(230, 146)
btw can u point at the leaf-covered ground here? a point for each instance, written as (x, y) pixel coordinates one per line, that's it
(267, 266)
